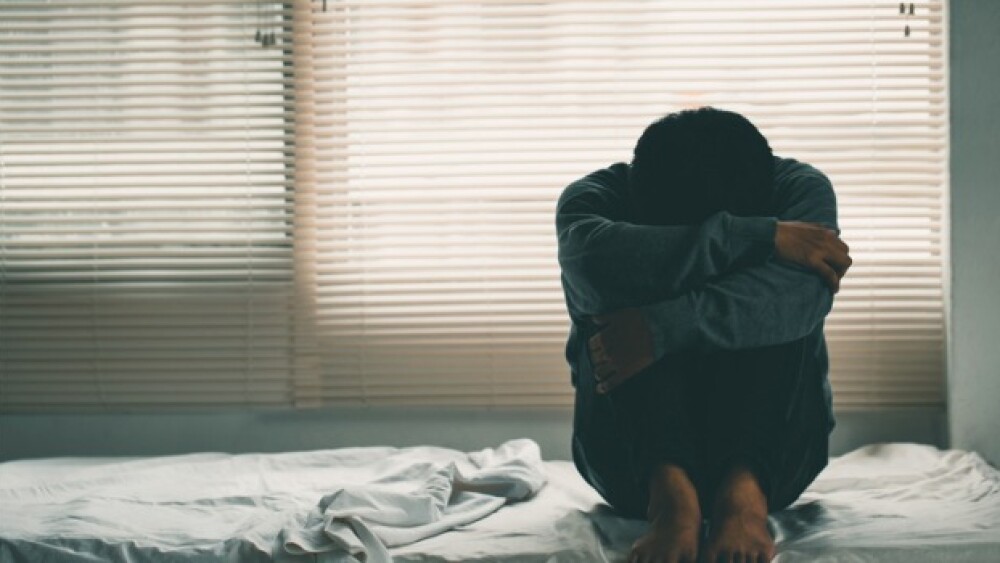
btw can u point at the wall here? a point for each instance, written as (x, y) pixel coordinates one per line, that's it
(974, 335)
(974, 343)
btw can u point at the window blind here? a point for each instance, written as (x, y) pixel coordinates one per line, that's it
(145, 206)
(436, 136)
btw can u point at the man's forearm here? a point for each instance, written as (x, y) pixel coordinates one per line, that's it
(757, 306)
(610, 265)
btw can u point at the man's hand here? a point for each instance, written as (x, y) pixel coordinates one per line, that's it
(815, 247)
(622, 348)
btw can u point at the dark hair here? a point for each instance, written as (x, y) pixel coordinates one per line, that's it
(694, 163)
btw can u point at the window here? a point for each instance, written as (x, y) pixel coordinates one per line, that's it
(145, 205)
(362, 211)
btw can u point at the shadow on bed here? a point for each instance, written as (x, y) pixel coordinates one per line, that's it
(797, 520)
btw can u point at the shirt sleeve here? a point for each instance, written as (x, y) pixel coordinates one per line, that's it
(760, 305)
(609, 263)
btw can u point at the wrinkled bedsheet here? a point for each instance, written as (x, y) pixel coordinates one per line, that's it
(337, 505)
(884, 503)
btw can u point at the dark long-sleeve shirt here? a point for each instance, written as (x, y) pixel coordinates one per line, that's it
(703, 288)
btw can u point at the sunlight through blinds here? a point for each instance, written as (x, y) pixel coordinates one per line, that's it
(433, 138)
(145, 206)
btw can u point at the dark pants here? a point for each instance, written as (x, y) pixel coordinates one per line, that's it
(763, 408)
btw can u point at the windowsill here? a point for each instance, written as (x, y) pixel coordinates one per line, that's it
(40, 435)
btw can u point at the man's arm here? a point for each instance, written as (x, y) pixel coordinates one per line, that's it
(759, 305)
(609, 263)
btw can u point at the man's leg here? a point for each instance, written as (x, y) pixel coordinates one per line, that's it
(600, 454)
(637, 448)
(766, 422)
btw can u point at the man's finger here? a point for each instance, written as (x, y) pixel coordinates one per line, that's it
(615, 379)
(603, 372)
(839, 262)
(831, 277)
(599, 358)
(596, 343)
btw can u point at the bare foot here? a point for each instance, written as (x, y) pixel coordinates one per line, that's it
(674, 520)
(739, 531)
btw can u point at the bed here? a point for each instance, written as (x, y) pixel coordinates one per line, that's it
(891, 502)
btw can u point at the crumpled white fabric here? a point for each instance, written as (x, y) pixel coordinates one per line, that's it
(331, 505)
(361, 522)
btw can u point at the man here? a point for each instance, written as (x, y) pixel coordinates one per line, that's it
(698, 278)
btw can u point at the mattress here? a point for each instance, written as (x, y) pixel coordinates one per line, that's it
(890, 502)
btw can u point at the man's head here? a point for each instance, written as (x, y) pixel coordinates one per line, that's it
(694, 163)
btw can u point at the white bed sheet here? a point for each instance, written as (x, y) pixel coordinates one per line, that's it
(885, 503)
